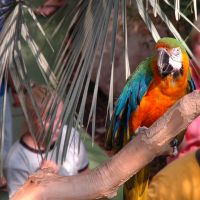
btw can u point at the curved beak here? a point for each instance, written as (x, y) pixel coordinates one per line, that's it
(164, 67)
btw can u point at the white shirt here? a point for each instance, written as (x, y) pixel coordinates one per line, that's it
(22, 161)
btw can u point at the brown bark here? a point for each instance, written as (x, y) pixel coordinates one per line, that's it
(105, 180)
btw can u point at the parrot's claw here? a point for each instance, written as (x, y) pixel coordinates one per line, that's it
(141, 130)
(174, 145)
(175, 151)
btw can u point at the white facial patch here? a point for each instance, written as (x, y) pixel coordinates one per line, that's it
(175, 58)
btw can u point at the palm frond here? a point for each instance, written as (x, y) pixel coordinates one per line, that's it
(124, 14)
(148, 20)
(12, 60)
(81, 33)
(114, 34)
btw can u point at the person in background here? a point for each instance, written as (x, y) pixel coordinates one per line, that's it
(179, 180)
(25, 156)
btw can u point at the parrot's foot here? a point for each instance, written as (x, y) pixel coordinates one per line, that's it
(174, 145)
(140, 130)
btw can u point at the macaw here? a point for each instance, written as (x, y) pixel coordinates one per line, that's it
(158, 82)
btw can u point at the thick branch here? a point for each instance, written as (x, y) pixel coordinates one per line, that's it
(105, 180)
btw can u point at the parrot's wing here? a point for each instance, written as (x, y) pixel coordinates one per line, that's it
(135, 88)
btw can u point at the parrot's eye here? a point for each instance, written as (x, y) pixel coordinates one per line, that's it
(176, 54)
(176, 51)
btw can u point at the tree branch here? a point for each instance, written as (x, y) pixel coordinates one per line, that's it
(106, 179)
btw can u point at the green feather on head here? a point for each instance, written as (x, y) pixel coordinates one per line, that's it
(171, 43)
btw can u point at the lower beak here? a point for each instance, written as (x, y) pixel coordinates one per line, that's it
(166, 70)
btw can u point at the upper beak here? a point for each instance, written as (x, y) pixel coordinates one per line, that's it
(164, 67)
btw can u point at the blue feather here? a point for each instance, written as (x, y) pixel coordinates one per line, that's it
(191, 84)
(136, 85)
(135, 88)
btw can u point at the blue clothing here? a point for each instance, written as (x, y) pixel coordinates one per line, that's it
(2, 88)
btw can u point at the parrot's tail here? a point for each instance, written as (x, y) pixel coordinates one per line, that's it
(136, 188)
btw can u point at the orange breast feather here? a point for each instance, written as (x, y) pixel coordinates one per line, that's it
(161, 95)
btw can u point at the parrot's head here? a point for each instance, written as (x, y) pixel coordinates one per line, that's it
(170, 57)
